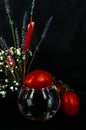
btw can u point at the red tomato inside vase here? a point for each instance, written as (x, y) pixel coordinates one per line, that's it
(38, 79)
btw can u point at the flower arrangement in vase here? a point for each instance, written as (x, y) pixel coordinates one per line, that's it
(14, 60)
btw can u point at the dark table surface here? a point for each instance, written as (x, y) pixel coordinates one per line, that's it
(11, 118)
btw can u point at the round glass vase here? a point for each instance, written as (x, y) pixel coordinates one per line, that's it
(38, 104)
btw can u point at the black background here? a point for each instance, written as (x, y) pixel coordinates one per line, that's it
(62, 53)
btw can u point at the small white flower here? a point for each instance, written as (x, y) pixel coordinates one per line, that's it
(17, 84)
(16, 88)
(18, 52)
(23, 57)
(1, 63)
(1, 57)
(3, 93)
(6, 80)
(7, 66)
(14, 81)
(2, 52)
(1, 70)
(12, 88)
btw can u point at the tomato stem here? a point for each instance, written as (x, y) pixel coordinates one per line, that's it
(65, 86)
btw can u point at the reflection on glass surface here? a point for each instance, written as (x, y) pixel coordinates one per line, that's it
(39, 104)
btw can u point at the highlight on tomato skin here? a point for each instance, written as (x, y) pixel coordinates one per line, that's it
(70, 103)
(38, 79)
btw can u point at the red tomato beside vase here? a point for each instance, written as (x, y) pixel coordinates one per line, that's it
(70, 103)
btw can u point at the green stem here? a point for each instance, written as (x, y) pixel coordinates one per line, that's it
(12, 73)
(34, 55)
(31, 18)
(24, 65)
(12, 29)
(20, 68)
(17, 74)
(65, 86)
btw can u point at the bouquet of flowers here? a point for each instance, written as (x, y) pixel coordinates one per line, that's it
(14, 60)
